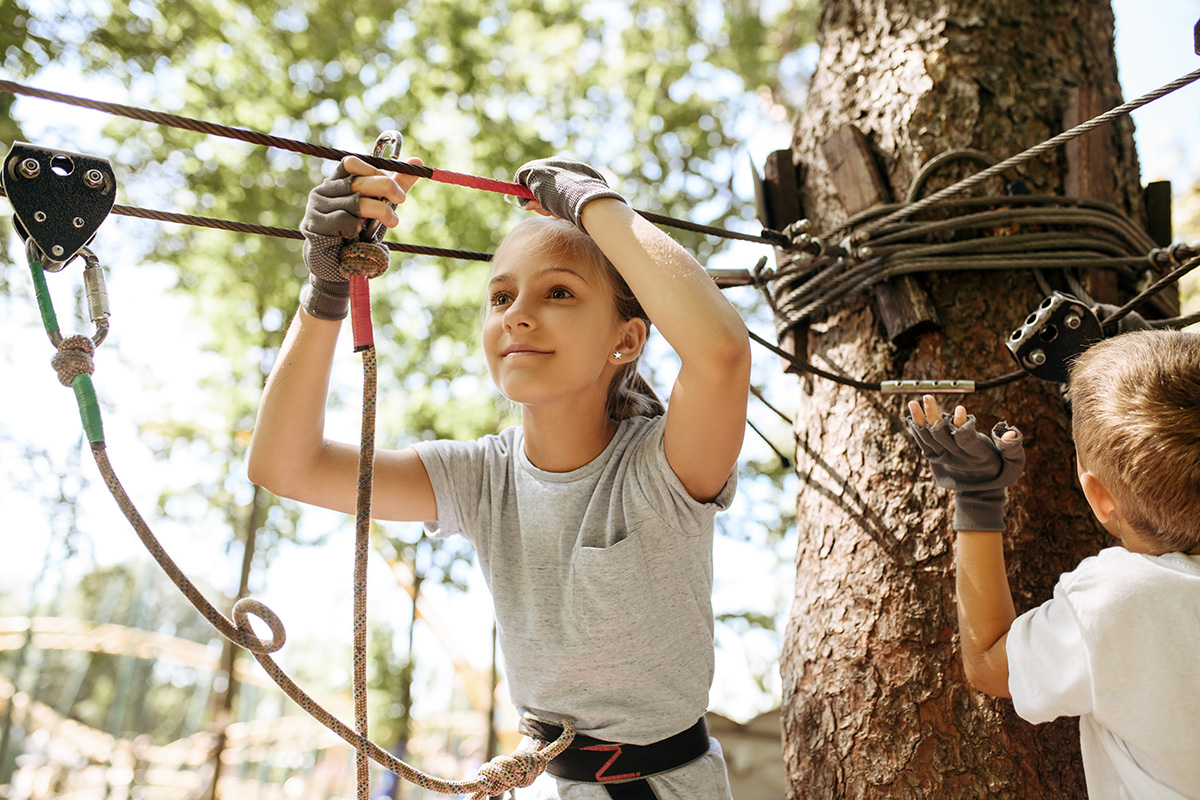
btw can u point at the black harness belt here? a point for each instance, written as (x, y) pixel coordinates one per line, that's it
(622, 768)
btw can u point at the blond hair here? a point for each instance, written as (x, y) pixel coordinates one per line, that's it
(1135, 401)
(629, 395)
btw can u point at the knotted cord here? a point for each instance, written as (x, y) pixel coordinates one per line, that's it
(74, 365)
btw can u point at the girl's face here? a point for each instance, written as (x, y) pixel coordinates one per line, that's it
(551, 328)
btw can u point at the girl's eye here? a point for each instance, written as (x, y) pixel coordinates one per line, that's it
(559, 293)
(500, 299)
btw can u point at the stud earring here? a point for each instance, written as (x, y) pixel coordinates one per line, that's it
(617, 355)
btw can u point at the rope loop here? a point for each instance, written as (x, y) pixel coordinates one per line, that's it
(364, 258)
(242, 610)
(74, 358)
(516, 771)
(520, 769)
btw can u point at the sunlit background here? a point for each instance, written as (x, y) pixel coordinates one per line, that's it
(674, 103)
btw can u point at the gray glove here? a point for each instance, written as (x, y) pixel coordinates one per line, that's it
(564, 186)
(977, 468)
(330, 218)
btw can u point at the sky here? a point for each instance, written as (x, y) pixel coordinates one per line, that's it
(1154, 46)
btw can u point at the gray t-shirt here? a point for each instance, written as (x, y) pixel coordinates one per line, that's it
(601, 577)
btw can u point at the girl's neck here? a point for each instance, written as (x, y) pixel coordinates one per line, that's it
(566, 439)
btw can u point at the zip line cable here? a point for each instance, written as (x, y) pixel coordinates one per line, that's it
(800, 292)
(281, 233)
(321, 151)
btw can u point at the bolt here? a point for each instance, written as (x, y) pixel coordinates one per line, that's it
(56, 250)
(39, 216)
(77, 222)
(1037, 357)
(30, 168)
(1073, 321)
(93, 179)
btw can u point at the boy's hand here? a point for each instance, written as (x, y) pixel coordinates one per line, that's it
(563, 186)
(335, 212)
(976, 467)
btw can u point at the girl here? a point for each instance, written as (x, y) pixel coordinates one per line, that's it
(593, 519)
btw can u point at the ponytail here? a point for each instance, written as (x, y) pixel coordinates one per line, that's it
(629, 395)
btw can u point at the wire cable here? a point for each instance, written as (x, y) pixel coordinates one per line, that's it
(770, 237)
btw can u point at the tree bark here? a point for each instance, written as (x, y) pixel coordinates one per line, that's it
(875, 701)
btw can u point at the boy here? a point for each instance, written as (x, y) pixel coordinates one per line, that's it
(1119, 643)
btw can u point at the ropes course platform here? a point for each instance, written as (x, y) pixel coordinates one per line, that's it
(941, 232)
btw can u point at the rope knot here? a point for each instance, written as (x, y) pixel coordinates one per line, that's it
(74, 358)
(516, 771)
(364, 258)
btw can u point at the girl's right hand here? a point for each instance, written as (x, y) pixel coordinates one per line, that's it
(334, 213)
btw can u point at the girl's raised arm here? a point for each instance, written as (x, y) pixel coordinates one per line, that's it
(706, 413)
(289, 454)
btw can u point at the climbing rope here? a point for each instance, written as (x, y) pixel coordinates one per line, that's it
(74, 364)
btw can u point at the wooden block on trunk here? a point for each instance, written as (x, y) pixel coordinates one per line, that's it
(1091, 163)
(903, 305)
(781, 191)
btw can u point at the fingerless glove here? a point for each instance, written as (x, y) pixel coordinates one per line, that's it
(564, 186)
(330, 217)
(976, 467)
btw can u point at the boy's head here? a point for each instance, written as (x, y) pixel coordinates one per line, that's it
(1135, 401)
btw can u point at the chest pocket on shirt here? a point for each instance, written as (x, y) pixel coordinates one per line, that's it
(610, 592)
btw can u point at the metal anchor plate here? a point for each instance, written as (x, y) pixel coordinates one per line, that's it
(59, 198)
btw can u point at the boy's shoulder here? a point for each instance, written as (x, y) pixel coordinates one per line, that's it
(1116, 577)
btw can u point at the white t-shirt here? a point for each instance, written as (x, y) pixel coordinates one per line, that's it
(1119, 647)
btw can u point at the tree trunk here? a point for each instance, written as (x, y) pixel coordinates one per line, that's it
(875, 701)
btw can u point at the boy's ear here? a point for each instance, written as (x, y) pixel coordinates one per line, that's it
(1098, 496)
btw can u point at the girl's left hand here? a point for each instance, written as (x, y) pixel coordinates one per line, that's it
(563, 186)
(535, 206)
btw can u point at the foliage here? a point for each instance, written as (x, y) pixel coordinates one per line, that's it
(20, 51)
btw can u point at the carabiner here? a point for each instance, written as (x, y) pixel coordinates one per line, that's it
(94, 289)
(387, 145)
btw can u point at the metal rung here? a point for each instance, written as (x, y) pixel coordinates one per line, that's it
(927, 387)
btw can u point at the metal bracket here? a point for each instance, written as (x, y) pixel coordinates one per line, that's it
(1054, 336)
(59, 199)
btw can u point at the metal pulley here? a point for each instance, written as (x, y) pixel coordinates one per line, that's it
(1053, 336)
(59, 199)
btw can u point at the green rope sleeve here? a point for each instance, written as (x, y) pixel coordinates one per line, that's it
(85, 391)
(45, 304)
(89, 408)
